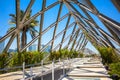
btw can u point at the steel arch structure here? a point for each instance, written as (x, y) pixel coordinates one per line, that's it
(84, 28)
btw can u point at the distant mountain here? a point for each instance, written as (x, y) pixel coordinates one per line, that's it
(88, 51)
(118, 49)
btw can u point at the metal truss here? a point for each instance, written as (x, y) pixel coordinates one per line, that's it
(84, 28)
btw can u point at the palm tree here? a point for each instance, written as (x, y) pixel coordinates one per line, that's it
(28, 28)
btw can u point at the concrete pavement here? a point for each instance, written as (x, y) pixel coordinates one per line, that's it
(82, 69)
(88, 69)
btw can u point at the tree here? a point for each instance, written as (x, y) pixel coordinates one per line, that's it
(27, 28)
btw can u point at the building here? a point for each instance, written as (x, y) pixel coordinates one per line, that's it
(12, 50)
(47, 49)
(33, 47)
(2, 44)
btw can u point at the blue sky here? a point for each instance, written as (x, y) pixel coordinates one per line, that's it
(8, 6)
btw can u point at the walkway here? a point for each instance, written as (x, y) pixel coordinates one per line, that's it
(36, 71)
(82, 68)
(88, 69)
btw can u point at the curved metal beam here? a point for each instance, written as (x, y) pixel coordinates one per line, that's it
(42, 34)
(16, 30)
(71, 36)
(60, 9)
(65, 31)
(60, 33)
(41, 25)
(44, 31)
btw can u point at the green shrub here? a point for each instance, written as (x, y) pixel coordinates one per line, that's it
(75, 54)
(3, 59)
(17, 59)
(54, 55)
(14, 60)
(27, 57)
(81, 55)
(38, 57)
(64, 53)
(108, 55)
(115, 69)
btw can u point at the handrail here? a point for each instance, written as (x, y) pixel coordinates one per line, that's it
(58, 64)
(30, 65)
(18, 67)
(52, 69)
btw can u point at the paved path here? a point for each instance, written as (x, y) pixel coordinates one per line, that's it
(18, 75)
(82, 69)
(88, 69)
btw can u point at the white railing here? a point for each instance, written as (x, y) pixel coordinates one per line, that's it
(28, 73)
(65, 64)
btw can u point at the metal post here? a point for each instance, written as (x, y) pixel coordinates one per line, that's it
(53, 70)
(67, 63)
(23, 70)
(63, 68)
(70, 64)
(59, 60)
(42, 69)
(55, 28)
(31, 72)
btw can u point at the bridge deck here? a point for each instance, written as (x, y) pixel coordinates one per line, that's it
(83, 68)
(36, 71)
(89, 69)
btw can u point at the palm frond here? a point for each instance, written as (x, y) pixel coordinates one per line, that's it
(34, 30)
(10, 29)
(21, 14)
(33, 34)
(12, 15)
(34, 23)
(12, 19)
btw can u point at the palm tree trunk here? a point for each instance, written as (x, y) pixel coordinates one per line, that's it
(17, 23)
(24, 37)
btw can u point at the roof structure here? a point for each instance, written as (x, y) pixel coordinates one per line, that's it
(80, 25)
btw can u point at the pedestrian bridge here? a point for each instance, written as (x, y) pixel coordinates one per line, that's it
(73, 25)
(60, 24)
(72, 69)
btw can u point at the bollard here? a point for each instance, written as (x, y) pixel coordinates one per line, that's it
(23, 70)
(42, 69)
(59, 60)
(53, 70)
(63, 68)
(31, 72)
(70, 64)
